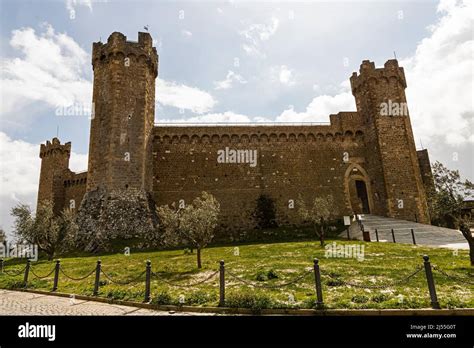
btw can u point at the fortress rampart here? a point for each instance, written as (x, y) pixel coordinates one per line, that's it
(365, 159)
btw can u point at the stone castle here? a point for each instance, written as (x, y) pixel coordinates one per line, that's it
(365, 159)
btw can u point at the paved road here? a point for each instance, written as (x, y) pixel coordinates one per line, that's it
(24, 303)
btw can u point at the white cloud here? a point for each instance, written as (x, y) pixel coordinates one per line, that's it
(186, 33)
(50, 71)
(183, 97)
(228, 81)
(286, 76)
(225, 117)
(320, 108)
(72, 4)
(255, 34)
(440, 78)
(19, 174)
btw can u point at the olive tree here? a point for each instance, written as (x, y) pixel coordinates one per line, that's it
(193, 224)
(317, 214)
(446, 202)
(3, 236)
(51, 233)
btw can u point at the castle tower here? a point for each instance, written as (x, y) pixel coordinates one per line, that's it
(118, 198)
(54, 163)
(120, 151)
(392, 162)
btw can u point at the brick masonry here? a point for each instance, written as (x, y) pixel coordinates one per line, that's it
(365, 159)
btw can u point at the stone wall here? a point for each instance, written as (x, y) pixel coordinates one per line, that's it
(75, 189)
(425, 168)
(292, 161)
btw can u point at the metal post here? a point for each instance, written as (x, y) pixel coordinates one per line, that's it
(431, 284)
(317, 280)
(348, 235)
(27, 272)
(377, 234)
(413, 236)
(97, 278)
(147, 281)
(1, 265)
(393, 236)
(221, 284)
(56, 274)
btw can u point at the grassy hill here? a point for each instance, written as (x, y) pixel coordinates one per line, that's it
(269, 265)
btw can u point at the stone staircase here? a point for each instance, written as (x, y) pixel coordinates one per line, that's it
(424, 234)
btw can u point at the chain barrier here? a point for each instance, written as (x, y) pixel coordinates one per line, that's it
(276, 286)
(118, 282)
(76, 279)
(459, 279)
(186, 285)
(44, 277)
(14, 274)
(381, 286)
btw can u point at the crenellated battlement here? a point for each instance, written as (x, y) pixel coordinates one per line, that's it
(179, 135)
(368, 72)
(117, 47)
(55, 147)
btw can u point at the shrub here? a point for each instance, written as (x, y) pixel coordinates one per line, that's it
(120, 294)
(334, 282)
(162, 298)
(263, 275)
(360, 299)
(272, 274)
(311, 304)
(200, 297)
(15, 284)
(380, 298)
(253, 300)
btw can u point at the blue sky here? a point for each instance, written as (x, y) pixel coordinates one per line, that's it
(231, 61)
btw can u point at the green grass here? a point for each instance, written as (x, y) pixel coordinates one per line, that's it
(270, 264)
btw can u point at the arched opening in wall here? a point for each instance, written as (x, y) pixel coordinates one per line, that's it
(358, 190)
(362, 198)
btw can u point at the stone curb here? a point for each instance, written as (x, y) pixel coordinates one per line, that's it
(297, 312)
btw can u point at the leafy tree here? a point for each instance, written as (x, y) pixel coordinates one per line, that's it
(193, 224)
(317, 214)
(3, 236)
(265, 212)
(446, 201)
(53, 234)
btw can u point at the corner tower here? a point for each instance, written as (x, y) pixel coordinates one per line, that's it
(54, 163)
(120, 149)
(118, 202)
(392, 159)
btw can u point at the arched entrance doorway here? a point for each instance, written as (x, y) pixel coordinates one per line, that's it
(358, 190)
